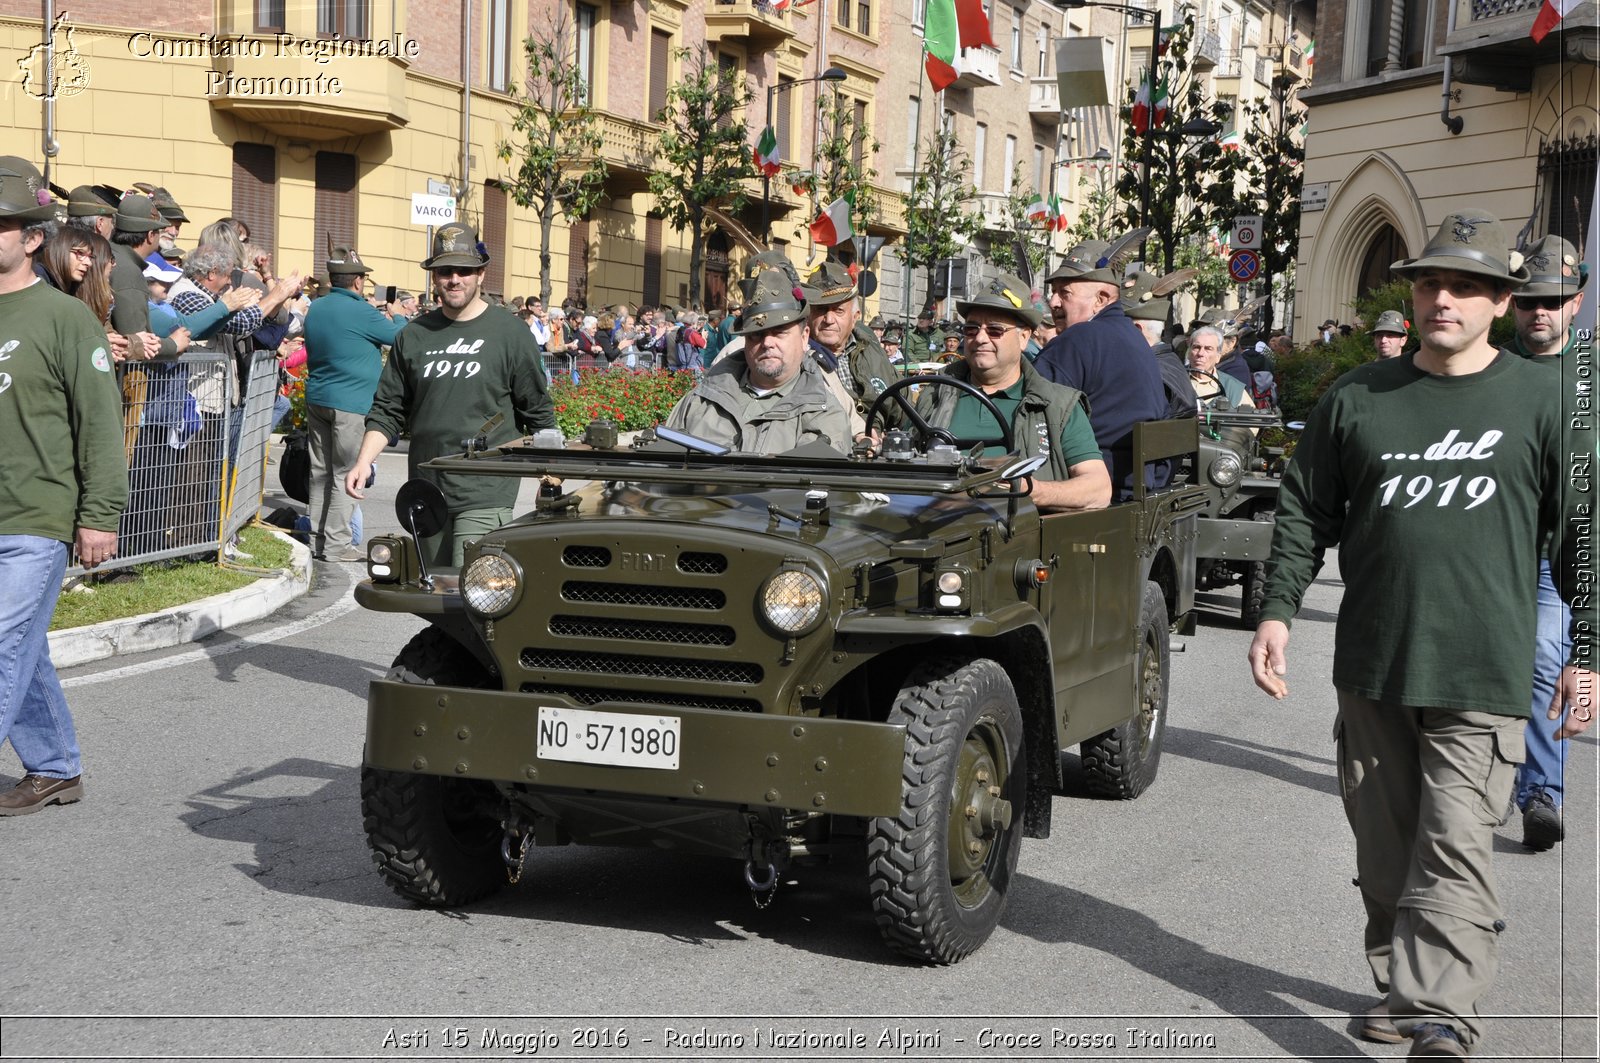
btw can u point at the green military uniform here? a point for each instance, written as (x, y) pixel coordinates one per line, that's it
(1049, 419)
(725, 409)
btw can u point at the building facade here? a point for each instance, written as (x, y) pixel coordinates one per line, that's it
(1419, 107)
(316, 121)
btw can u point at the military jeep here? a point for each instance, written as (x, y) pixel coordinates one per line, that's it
(1242, 479)
(778, 660)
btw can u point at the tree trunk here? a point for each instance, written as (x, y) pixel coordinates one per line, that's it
(546, 221)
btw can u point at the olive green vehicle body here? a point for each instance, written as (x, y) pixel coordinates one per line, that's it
(640, 594)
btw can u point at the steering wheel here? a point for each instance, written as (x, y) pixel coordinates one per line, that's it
(927, 434)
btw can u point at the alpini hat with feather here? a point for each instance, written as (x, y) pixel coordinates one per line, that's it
(1144, 295)
(1097, 260)
(23, 194)
(457, 245)
(1005, 293)
(1554, 268)
(772, 300)
(1469, 240)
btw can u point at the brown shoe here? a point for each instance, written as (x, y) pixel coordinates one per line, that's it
(1377, 1026)
(36, 791)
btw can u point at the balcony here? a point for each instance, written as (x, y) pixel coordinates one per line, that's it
(629, 148)
(978, 67)
(1225, 75)
(995, 208)
(1491, 45)
(1207, 51)
(1044, 99)
(310, 100)
(746, 20)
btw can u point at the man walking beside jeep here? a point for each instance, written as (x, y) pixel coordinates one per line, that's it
(1403, 463)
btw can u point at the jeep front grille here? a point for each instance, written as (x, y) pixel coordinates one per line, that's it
(701, 564)
(587, 627)
(599, 695)
(538, 659)
(634, 594)
(586, 557)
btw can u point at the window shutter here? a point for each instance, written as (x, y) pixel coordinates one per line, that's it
(255, 193)
(494, 237)
(335, 202)
(660, 54)
(578, 260)
(651, 295)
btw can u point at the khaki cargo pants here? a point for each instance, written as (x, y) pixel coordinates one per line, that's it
(1424, 790)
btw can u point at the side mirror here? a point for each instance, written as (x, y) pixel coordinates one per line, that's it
(420, 507)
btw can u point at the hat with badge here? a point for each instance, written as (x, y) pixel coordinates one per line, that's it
(760, 263)
(1097, 260)
(457, 245)
(1391, 321)
(344, 262)
(23, 194)
(85, 202)
(137, 214)
(1139, 300)
(772, 300)
(1554, 268)
(1469, 240)
(1007, 294)
(166, 206)
(878, 321)
(831, 284)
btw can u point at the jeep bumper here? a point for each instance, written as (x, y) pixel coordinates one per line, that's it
(733, 758)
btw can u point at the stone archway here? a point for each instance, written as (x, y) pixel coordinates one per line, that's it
(1376, 197)
(1385, 247)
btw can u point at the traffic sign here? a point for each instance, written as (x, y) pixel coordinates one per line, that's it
(1244, 265)
(432, 210)
(1246, 231)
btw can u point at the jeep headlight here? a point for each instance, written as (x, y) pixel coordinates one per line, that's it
(491, 584)
(1225, 470)
(792, 601)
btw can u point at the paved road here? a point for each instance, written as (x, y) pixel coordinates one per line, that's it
(218, 869)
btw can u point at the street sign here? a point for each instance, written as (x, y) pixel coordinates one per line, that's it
(439, 188)
(432, 210)
(1246, 231)
(1244, 265)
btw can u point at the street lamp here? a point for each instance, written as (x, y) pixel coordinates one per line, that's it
(833, 73)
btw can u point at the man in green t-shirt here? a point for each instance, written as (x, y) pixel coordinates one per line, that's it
(450, 371)
(1045, 418)
(63, 482)
(1439, 492)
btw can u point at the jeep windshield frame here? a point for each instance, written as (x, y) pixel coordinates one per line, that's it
(968, 474)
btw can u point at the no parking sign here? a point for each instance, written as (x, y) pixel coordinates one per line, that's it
(1244, 265)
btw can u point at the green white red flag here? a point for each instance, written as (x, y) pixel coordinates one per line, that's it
(832, 226)
(1038, 210)
(766, 153)
(1550, 16)
(948, 26)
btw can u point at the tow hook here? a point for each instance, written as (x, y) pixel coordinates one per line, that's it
(514, 845)
(761, 873)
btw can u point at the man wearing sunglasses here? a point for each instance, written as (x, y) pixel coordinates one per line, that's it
(451, 370)
(1543, 310)
(1045, 418)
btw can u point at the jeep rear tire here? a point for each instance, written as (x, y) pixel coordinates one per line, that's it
(1121, 763)
(940, 870)
(1253, 590)
(431, 837)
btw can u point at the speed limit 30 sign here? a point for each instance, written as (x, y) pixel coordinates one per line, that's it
(1247, 231)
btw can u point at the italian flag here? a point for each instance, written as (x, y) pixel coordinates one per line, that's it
(778, 5)
(1145, 115)
(1311, 52)
(1038, 210)
(1058, 217)
(949, 26)
(833, 225)
(766, 155)
(1232, 142)
(1550, 15)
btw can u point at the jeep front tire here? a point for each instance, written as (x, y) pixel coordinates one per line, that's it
(939, 870)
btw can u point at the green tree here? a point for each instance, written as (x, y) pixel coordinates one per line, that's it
(1270, 165)
(703, 156)
(844, 151)
(1023, 246)
(1191, 180)
(1212, 281)
(938, 224)
(559, 169)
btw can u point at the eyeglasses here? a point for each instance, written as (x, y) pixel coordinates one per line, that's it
(1540, 302)
(993, 331)
(83, 252)
(457, 271)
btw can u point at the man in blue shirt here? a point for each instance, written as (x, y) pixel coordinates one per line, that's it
(344, 334)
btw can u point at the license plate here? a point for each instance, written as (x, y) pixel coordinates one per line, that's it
(625, 739)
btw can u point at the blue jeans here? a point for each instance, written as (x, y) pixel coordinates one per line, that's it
(33, 709)
(1547, 759)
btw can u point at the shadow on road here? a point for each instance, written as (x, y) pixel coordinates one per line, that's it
(1056, 914)
(1251, 756)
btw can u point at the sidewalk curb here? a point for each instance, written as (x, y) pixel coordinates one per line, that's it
(184, 623)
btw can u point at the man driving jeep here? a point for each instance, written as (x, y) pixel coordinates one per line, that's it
(1048, 419)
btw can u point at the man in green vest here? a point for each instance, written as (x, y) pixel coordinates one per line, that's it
(1045, 418)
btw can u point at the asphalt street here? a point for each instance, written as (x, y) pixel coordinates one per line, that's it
(213, 896)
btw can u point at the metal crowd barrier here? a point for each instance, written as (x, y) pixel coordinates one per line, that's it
(196, 461)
